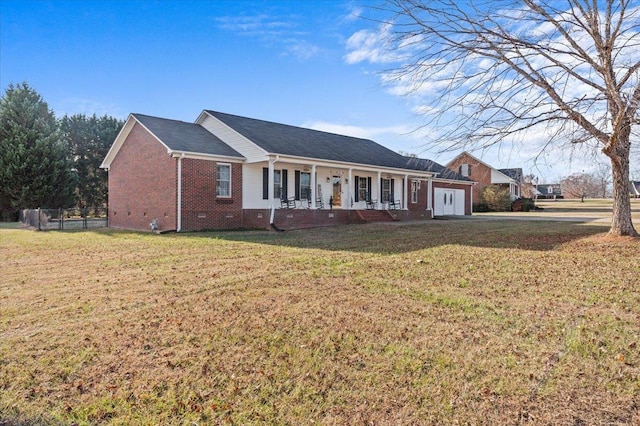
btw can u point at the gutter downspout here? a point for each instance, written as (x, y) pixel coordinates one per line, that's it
(179, 215)
(430, 195)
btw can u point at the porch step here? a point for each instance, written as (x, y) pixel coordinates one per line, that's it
(370, 216)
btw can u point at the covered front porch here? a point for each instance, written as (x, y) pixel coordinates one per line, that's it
(294, 184)
(298, 193)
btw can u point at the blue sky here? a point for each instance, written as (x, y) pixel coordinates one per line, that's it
(292, 62)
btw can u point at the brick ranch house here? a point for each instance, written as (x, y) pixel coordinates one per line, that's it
(225, 172)
(469, 166)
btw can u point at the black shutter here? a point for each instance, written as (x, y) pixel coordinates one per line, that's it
(297, 184)
(265, 183)
(356, 198)
(391, 191)
(369, 187)
(284, 184)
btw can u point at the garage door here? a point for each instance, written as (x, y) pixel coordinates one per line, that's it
(448, 202)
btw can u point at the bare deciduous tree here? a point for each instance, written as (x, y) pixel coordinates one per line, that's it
(495, 70)
(581, 185)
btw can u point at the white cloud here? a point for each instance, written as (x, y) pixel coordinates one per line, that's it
(300, 49)
(255, 25)
(371, 46)
(272, 30)
(71, 106)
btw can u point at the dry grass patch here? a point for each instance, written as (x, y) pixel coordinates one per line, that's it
(439, 323)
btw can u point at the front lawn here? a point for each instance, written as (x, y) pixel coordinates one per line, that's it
(446, 322)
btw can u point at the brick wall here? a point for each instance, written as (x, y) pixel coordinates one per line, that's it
(479, 173)
(288, 219)
(419, 208)
(201, 208)
(142, 184)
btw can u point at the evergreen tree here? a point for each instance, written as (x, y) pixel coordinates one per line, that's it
(35, 170)
(88, 140)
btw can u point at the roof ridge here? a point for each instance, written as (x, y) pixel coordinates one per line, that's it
(213, 112)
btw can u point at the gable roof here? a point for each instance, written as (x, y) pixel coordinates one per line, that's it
(426, 165)
(178, 137)
(284, 139)
(515, 174)
(181, 136)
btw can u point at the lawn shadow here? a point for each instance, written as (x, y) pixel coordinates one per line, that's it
(399, 237)
(403, 238)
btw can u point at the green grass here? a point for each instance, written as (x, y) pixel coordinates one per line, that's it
(445, 322)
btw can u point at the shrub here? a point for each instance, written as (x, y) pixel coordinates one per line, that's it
(497, 198)
(523, 205)
(480, 207)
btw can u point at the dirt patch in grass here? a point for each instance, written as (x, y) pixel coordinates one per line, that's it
(477, 323)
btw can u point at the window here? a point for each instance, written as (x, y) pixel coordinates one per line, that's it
(363, 189)
(305, 186)
(277, 184)
(386, 190)
(223, 180)
(415, 186)
(465, 169)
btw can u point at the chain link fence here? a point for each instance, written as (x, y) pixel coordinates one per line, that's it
(61, 219)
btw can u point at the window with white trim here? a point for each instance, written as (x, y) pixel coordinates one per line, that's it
(305, 186)
(465, 170)
(363, 189)
(415, 187)
(386, 190)
(277, 184)
(223, 180)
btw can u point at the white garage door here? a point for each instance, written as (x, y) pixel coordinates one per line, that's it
(448, 202)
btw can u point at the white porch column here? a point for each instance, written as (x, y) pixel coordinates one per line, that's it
(313, 187)
(405, 198)
(271, 182)
(349, 186)
(379, 196)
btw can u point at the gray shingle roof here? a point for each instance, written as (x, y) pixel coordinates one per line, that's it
(283, 139)
(186, 137)
(543, 189)
(515, 174)
(426, 165)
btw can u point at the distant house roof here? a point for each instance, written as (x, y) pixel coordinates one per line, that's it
(545, 189)
(283, 139)
(426, 165)
(515, 174)
(181, 136)
(634, 187)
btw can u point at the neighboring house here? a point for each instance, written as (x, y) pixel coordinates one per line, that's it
(548, 191)
(634, 188)
(450, 190)
(225, 171)
(469, 166)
